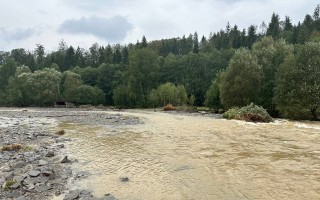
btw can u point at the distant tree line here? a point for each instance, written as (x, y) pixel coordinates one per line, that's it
(276, 66)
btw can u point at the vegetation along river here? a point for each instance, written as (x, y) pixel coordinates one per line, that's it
(184, 156)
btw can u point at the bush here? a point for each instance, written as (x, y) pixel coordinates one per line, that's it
(168, 107)
(251, 113)
(232, 113)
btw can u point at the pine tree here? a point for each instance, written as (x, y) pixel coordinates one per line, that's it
(287, 24)
(316, 13)
(195, 43)
(274, 26)
(144, 43)
(252, 36)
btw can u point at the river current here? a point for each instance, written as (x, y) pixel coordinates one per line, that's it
(183, 156)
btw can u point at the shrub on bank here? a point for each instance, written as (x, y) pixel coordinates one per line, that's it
(168, 107)
(250, 113)
(12, 147)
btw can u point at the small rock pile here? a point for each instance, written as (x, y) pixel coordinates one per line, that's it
(33, 162)
(35, 170)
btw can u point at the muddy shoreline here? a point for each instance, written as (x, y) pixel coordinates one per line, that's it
(41, 169)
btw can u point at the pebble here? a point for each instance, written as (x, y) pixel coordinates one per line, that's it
(34, 173)
(65, 160)
(50, 154)
(42, 163)
(21, 198)
(73, 194)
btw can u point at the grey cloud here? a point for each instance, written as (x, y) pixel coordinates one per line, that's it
(17, 35)
(113, 29)
(96, 4)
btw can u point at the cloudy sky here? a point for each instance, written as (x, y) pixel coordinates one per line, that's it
(81, 23)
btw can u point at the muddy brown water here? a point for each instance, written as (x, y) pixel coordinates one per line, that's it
(181, 156)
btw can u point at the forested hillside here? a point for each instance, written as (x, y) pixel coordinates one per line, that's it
(276, 66)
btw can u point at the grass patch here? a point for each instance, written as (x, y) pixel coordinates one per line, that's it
(26, 148)
(250, 113)
(9, 183)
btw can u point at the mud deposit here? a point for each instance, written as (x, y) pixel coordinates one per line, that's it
(155, 155)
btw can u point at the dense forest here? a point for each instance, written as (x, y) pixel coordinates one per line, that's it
(276, 66)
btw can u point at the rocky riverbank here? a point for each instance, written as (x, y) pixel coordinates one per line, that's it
(33, 160)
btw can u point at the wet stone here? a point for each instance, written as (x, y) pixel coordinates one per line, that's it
(124, 179)
(65, 160)
(19, 165)
(8, 175)
(30, 186)
(21, 198)
(42, 187)
(6, 157)
(19, 179)
(7, 169)
(15, 186)
(82, 174)
(73, 194)
(50, 154)
(109, 197)
(42, 163)
(2, 181)
(34, 173)
(13, 194)
(47, 173)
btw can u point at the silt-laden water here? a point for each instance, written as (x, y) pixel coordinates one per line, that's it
(177, 156)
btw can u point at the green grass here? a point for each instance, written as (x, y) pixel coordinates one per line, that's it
(9, 183)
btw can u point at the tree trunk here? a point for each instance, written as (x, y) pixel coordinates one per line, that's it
(314, 114)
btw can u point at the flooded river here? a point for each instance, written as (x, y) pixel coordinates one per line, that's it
(180, 156)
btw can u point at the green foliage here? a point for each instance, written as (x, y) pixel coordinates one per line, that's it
(270, 54)
(213, 94)
(109, 76)
(87, 94)
(242, 80)
(168, 93)
(70, 83)
(22, 69)
(191, 100)
(251, 113)
(6, 71)
(122, 97)
(45, 86)
(274, 26)
(142, 75)
(298, 81)
(55, 67)
(88, 75)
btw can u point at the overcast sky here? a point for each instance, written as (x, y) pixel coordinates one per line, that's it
(81, 23)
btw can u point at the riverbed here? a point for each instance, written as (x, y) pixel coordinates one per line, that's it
(185, 156)
(151, 154)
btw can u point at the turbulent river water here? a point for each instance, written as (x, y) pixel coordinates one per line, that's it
(181, 156)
